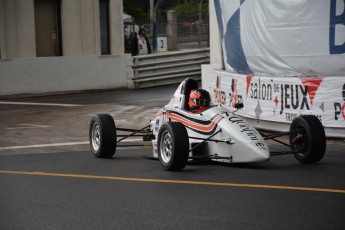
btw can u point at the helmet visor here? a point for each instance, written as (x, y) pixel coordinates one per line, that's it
(202, 102)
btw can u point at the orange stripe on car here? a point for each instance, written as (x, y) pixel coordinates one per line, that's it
(195, 125)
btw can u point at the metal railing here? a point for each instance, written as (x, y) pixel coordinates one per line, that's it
(191, 31)
(167, 68)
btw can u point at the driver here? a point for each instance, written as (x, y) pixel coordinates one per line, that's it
(199, 100)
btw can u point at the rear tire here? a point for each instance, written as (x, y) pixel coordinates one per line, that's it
(102, 136)
(308, 142)
(173, 146)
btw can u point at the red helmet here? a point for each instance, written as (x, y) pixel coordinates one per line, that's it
(199, 100)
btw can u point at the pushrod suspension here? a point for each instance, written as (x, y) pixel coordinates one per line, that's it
(273, 137)
(131, 130)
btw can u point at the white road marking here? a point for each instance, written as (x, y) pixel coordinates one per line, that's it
(28, 126)
(153, 99)
(44, 145)
(57, 144)
(36, 103)
(122, 121)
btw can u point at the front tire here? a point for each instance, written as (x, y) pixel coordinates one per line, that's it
(308, 140)
(102, 136)
(173, 146)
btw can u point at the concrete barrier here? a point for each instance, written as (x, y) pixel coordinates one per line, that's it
(60, 74)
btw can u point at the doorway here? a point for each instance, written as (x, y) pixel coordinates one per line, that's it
(48, 28)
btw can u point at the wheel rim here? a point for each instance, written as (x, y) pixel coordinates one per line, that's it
(166, 147)
(96, 136)
(302, 145)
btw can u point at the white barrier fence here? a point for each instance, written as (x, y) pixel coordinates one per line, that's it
(273, 102)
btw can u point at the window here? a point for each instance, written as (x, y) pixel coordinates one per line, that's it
(104, 26)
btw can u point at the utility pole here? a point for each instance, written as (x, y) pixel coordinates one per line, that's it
(153, 19)
(199, 23)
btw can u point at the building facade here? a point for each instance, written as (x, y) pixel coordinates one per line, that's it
(44, 42)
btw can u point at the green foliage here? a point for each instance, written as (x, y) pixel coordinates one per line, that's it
(141, 8)
(136, 11)
(186, 9)
(190, 7)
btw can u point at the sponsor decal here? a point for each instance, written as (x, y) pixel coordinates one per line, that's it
(337, 19)
(283, 99)
(285, 96)
(288, 99)
(262, 145)
(245, 128)
(339, 107)
(233, 95)
(157, 125)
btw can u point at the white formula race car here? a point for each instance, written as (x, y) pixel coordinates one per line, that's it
(178, 135)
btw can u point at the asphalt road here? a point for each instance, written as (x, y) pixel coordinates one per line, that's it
(50, 180)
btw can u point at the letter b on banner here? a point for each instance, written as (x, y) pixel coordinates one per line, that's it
(337, 25)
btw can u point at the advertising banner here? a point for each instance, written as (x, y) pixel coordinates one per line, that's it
(283, 38)
(282, 99)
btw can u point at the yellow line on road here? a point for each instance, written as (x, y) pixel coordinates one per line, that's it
(222, 184)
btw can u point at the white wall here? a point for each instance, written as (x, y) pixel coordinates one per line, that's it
(56, 74)
(215, 42)
(116, 27)
(216, 59)
(71, 20)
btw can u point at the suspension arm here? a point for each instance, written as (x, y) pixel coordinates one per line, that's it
(143, 130)
(273, 137)
(207, 139)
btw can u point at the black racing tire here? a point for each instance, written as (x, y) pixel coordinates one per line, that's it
(173, 146)
(102, 136)
(308, 140)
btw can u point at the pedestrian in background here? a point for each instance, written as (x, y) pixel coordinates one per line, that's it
(140, 43)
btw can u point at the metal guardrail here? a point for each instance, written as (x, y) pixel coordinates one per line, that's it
(166, 68)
